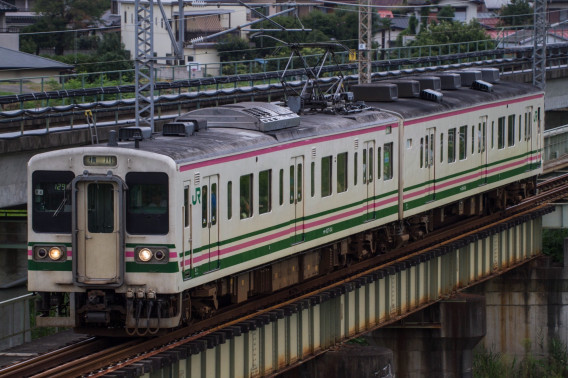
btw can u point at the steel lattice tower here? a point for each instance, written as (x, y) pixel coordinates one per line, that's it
(144, 63)
(539, 53)
(364, 56)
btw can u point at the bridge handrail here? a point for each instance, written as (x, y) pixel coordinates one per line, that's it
(252, 66)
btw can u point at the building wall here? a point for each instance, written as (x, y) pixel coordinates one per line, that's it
(162, 42)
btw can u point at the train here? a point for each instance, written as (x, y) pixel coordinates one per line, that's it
(151, 231)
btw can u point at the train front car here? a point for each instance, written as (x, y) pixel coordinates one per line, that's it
(100, 250)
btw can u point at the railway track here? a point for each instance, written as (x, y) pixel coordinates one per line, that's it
(99, 356)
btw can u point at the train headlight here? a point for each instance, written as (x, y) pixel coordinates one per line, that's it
(55, 253)
(145, 254)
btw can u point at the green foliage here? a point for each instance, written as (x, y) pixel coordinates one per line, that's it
(517, 13)
(446, 14)
(233, 48)
(553, 243)
(60, 15)
(490, 364)
(446, 33)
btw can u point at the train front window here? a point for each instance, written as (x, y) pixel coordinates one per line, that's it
(100, 205)
(51, 208)
(147, 203)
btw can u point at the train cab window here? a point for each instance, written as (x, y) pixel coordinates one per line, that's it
(51, 209)
(388, 161)
(451, 145)
(265, 191)
(326, 176)
(501, 133)
(462, 147)
(147, 203)
(341, 172)
(229, 200)
(511, 130)
(246, 196)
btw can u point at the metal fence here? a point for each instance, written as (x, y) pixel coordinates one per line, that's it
(555, 143)
(195, 70)
(16, 325)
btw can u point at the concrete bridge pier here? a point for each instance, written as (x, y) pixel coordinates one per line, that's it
(437, 341)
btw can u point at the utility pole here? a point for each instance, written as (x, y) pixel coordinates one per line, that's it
(144, 57)
(364, 56)
(539, 53)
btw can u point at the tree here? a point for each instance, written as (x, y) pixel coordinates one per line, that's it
(446, 14)
(232, 48)
(60, 16)
(517, 13)
(446, 33)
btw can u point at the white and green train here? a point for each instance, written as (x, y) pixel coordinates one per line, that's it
(245, 199)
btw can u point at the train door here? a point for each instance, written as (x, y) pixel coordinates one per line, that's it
(296, 196)
(528, 135)
(209, 221)
(429, 163)
(186, 211)
(369, 178)
(99, 225)
(536, 140)
(482, 148)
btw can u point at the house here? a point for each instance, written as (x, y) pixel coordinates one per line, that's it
(15, 64)
(7, 38)
(202, 18)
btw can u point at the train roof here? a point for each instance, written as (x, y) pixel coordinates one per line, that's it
(221, 141)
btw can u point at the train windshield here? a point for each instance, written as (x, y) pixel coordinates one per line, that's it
(51, 201)
(147, 203)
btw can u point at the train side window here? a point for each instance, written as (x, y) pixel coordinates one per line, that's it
(281, 188)
(370, 164)
(292, 177)
(51, 210)
(326, 176)
(355, 155)
(452, 145)
(204, 197)
(229, 200)
(528, 124)
(520, 127)
(214, 204)
(388, 161)
(364, 166)
(147, 203)
(441, 147)
(462, 148)
(492, 134)
(265, 191)
(511, 130)
(186, 206)
(313, 178)
(379, 157)
(421, 152)
(245, 184)
(472, 139)
(299, 176)
(501, 133)
(341, 172)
